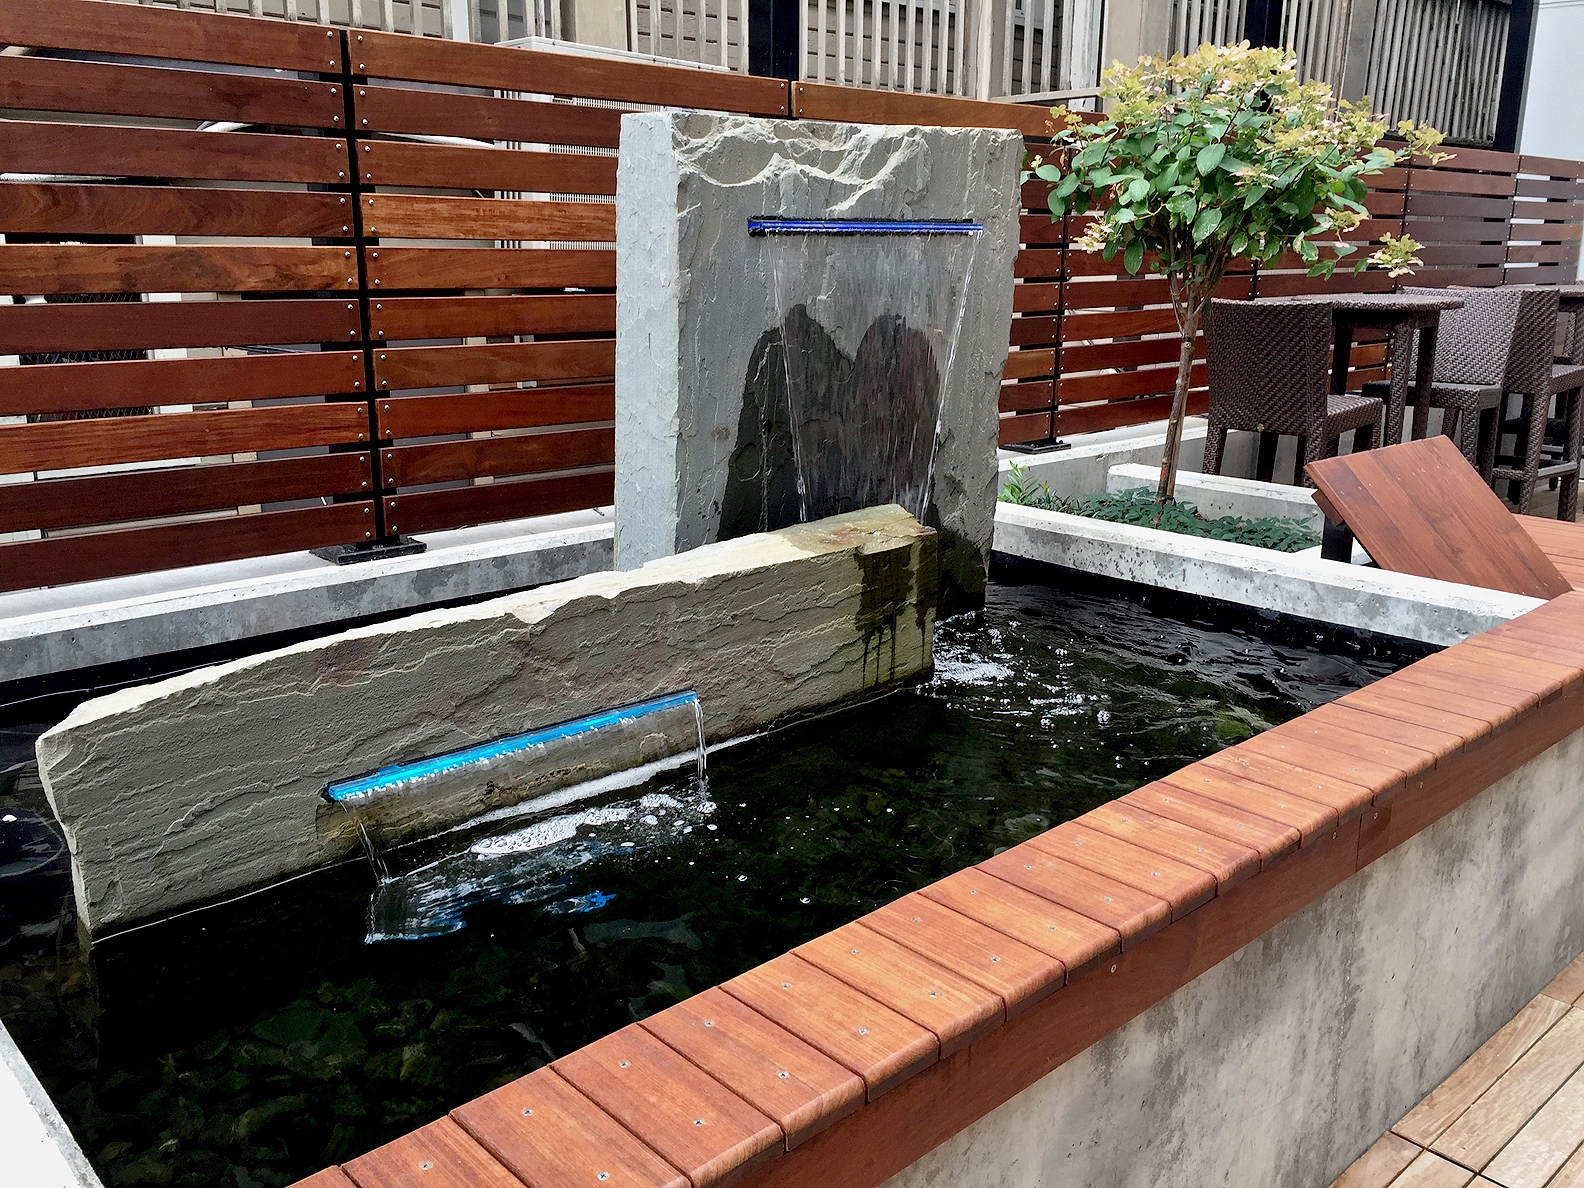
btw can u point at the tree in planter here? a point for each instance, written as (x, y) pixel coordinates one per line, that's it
(1222, 153)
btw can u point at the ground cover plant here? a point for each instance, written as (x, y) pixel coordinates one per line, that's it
(1221, 154)
(1139, 505)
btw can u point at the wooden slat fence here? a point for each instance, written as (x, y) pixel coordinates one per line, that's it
(230, 340)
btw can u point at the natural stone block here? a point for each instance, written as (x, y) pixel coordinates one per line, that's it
(703, 447)
(210, 783)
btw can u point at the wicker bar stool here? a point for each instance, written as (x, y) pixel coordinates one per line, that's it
(1478, 359)
(1269, 365)
(1535, 379)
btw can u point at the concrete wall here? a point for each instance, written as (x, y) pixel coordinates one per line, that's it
(1281, 1064)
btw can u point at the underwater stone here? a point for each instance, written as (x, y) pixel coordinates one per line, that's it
(207, 784)
(702, 440)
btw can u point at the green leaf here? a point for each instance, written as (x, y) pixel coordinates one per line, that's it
(1067, 185)
(1048, 173)
(1209, 219)
(1057, 204)
(1210, 156)
(1136, 189)
(1133, 257)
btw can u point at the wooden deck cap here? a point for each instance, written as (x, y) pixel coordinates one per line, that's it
(852, 1056)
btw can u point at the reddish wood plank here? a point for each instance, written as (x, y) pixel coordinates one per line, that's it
(1474, 665)
(494, 363)
(882, 1046)
(1379, 1165)
(161, 33)
(58, 560)
(690, 1119)
(1390, 702)
(1272, 839)
(551, 1136)
(1419, 507)
(140, 494)
(1494, 703)
(396, 318)
(422, 217)
(1309, 801)
(1338, 766)
(1018, 974)
(818, 101)
(1228, 862)
(1568, 985)
(101, 150)
(396, 163)
(1309, 818)
(397, 55)
(1391, 740)
(439, 1155)
(1134, 914)
(59, 445)
(70, 387)
(472, 412)
(1183, 886)
(1077, 941)
(489, 268)
(479, 117)
(57, 84)
(148, 268)
(462, 507)
(955, 1009)
(402, 466)
(330, 1177)
(47, 208)
(802, 1089)
(151, 325)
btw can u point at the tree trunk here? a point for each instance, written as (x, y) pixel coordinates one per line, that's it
(1189, 325)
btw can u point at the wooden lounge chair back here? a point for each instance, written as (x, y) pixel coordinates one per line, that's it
(1420, 508)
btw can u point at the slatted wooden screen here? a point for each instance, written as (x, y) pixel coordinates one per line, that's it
(192, 194)
(491, 267)
(1548, 218)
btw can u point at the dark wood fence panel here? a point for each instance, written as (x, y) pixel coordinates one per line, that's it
(183, 295)
(493, 301)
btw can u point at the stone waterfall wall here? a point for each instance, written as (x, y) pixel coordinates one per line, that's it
(188, 790)
(695, 303)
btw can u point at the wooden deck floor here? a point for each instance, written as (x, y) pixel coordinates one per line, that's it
(1512, 1116)
(1562, 542)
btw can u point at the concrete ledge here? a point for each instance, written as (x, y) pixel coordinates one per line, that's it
(1298, 584)
(65, 628)
(1217, 495)
(36, 1149)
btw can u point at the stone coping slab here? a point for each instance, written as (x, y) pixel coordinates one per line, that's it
(1299, 584)
(184, 791)
(949, 1002)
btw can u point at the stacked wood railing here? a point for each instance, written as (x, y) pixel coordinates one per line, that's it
(275, 287)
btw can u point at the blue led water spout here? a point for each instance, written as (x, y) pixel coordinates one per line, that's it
(387, 778)
(774, 226)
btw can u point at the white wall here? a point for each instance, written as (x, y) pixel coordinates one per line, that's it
(1551, 125)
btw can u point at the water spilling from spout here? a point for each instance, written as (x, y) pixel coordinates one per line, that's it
(430, 866)
(870, 314)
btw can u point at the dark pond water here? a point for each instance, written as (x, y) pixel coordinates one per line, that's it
(253, 1043)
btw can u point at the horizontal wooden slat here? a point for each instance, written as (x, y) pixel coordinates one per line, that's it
(150, 268)
(1042, 262)
(404, 466)
(494, 363)
(59, 445)
(478, 117)
(489, 268)
(1034, 331)
(1095, 417)
(397, 318)
(62, 559)
(76, 387)
(1446, 181)
(1550, 166)
(118, 326)
(1029, 364)
(819, 101)
(398, 56)
(1016, 429)
(1038, 297)
(1124, 385)
(1564, 191)
(474, 412)
(419, 217)
(1278, 284)
(103, 150)
(431, 511)
(54, 209)
(139, 494)
(161, 33)
(1460, 230)
(1125, 354)
(54, 84)
(1456, 206)
(1024, 397)
(1080, 326)
(447, 166)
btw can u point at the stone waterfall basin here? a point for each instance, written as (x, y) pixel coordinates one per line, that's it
(208, 784)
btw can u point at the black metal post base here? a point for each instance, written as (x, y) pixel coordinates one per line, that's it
(1046, 445)
(1336, 542)
(376, 550)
